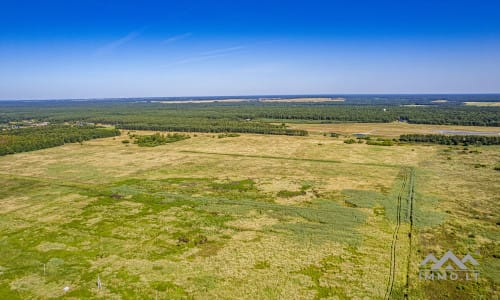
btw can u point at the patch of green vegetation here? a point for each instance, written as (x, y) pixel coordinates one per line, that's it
(424, 213)
(380, 142)
(170, 290)
(158, 139)
(306, 185)
(290, 194)
(324, 220)
(241, 185)
(261, 265)
(315, 273)
(362, 198)
(226, 135)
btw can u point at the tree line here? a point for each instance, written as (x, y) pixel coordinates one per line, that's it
(451, 139)
(35, 138)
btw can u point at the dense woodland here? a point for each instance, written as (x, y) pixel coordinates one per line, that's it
(253, 116)
(35, 138)
(451, 139)
(247, 117)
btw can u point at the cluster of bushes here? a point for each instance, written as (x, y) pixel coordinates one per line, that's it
(331, 134)
(379, 142)
(451, 139)
(35, 138)
(350, 141)
(158, 139)
(225, 135)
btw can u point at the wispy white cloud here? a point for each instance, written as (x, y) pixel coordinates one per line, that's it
(223, 50)
(196, 59)
(176, 38)
(109, 48)
(207, 55)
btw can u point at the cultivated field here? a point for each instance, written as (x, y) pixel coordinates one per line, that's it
(248, 217)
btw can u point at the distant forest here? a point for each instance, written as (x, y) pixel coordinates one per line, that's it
(254, 116)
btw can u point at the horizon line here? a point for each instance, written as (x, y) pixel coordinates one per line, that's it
(253, 95)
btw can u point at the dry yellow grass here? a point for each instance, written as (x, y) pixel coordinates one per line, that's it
(394, 129)
(246, 256)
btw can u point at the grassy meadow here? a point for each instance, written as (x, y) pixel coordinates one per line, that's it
(248, 217)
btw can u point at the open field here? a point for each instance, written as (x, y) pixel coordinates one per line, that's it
(394, 129)
(265, 100)
(200, 101)
(491, 104)
(248, 217)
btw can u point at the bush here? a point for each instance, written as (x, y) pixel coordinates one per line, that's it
(225, 135)
(380, 142)
(290, 194)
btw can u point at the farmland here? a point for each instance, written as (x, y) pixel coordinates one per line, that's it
(247, 216)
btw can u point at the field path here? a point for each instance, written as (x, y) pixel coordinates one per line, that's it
(411, 200)
(392, 271)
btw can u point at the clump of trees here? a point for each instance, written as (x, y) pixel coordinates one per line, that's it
(451, 139)
(158, 139)
(35, 138)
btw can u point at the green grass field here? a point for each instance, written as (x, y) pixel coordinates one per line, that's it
(246, 217)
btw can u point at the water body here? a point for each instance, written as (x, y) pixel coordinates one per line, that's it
(466, 132)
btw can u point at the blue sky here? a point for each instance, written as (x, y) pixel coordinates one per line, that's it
(94, 49)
